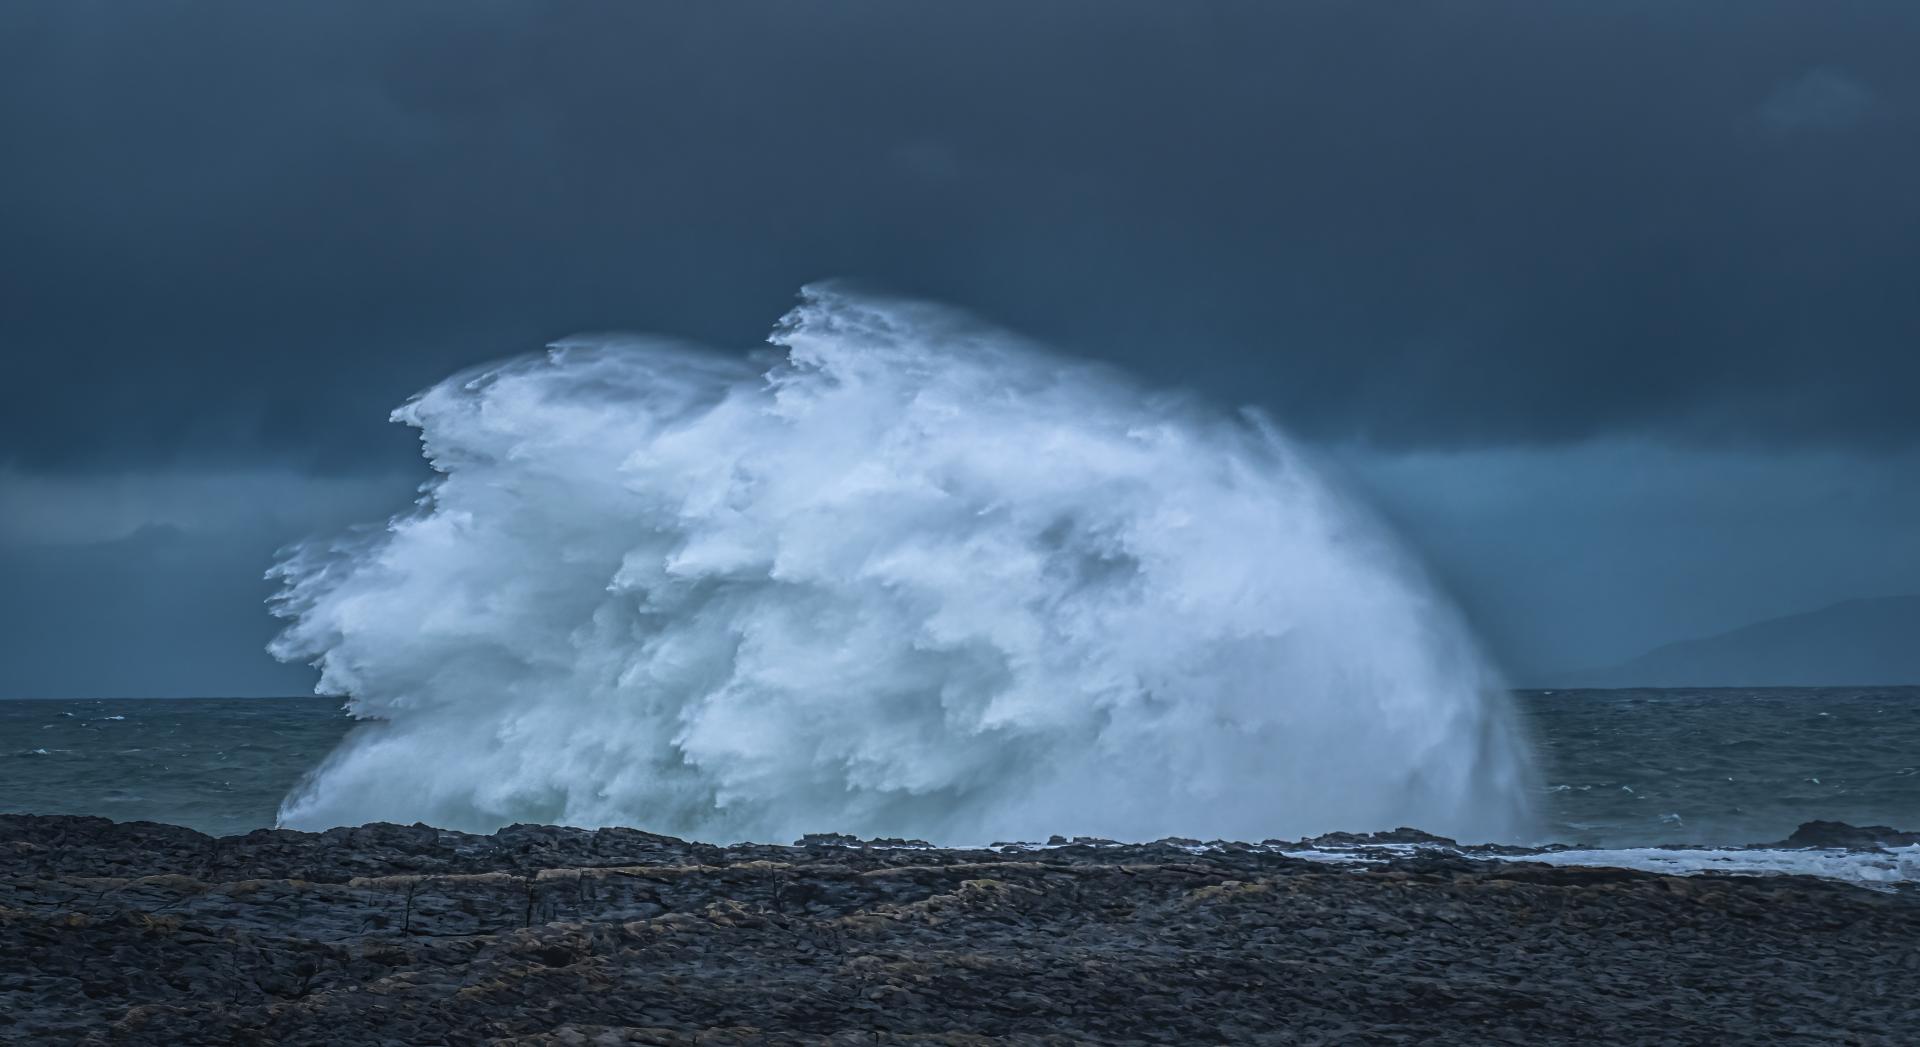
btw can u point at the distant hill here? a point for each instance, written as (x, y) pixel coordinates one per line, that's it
(1874, 641)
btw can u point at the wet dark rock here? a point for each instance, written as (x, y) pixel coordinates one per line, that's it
(1401, 835)
(385, 934)
(827, 840)
(1851, 837)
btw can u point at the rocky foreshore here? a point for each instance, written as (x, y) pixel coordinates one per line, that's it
(386, 934)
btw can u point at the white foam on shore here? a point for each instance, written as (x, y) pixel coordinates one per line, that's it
(1899, 865)
(1896, 865)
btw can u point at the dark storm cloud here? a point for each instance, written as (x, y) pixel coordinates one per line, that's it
(1583, 556)
(157, 614)
(246, 231)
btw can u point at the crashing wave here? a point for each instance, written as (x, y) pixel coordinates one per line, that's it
(907, 576)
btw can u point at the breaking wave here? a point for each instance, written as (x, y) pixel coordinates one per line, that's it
(904, 576)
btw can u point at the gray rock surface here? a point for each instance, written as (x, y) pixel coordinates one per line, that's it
(385, 934)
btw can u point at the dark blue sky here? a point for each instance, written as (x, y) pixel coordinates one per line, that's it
(1610, 307)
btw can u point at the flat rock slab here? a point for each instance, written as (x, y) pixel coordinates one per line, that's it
(143, 933)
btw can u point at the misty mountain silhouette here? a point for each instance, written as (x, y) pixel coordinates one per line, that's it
(1857, 642)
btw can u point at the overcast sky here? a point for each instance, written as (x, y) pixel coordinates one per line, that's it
(1614, 309)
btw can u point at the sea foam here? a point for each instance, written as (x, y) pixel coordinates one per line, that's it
(903, 575)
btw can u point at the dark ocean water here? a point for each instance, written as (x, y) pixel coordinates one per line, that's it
(1723, 766)
(1625, 768)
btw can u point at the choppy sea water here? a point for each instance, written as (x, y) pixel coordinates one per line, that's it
(213, 764)
(1621, 769)
(1723, 766)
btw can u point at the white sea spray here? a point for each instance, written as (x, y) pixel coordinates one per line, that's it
(908, 576)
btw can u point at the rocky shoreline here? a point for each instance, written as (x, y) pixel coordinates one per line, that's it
(384, 934)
